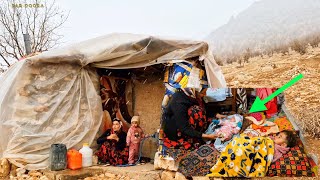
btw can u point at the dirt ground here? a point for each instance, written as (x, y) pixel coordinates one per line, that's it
(302, 99)
(313, 146)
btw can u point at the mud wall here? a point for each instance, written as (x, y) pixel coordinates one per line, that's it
(148, 95)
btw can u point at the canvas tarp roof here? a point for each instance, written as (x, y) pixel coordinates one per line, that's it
(123, 51)
(54, 97)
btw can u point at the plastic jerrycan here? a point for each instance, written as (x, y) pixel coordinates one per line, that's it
(87, 153)
(74, 159)
(58, 157)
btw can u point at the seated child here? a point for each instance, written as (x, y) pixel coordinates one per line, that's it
(257, 153)
(226, 126)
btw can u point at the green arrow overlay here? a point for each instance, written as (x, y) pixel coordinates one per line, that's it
(258, 104)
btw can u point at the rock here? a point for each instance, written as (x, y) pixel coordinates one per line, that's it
(24, 176)
(235, 82)
(179, 176)
(44, 178)
(4, 167)
(20, 172)
(166, 163)
(35, 174)
(241, 77)
(167, 175)
(13, 171)
(267, 68)
(109, 175)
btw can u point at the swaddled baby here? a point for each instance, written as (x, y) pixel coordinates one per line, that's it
(225, 128)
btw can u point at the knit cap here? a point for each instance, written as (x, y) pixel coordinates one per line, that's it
(136, 119)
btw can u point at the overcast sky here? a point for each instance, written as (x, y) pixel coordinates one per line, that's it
(191, 19)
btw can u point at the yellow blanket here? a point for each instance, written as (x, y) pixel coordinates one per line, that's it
(244, 157)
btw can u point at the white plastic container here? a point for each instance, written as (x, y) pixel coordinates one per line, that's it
(87, 153)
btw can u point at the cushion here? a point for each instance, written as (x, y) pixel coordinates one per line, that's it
(258, 116)
(283, 124)
(294, 163)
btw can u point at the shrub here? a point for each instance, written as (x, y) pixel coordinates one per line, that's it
(298, 47)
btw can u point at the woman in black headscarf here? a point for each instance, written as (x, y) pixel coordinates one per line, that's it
(185, 120)
(113, 148)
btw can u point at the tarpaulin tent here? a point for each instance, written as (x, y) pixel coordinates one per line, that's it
(53, 97)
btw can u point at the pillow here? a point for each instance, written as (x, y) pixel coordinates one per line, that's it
(294, 163)
(283, 124)
(245, 124)
(258, 116)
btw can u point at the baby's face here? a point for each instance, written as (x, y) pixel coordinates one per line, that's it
(233, 119)
(281, 139)
(134, 123)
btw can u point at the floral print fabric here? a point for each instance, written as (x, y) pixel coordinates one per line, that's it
(244, 157)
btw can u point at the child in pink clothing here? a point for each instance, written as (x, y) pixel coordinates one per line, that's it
(283, 141)
(134, 136)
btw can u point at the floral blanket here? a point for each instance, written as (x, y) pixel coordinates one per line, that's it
(244, 157)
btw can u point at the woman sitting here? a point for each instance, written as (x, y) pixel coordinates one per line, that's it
(113, 148)
(185, 120)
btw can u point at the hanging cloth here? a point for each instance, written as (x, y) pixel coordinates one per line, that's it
(271, 106)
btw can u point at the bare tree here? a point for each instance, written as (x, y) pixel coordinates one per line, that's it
(39, 19)
(246, 56)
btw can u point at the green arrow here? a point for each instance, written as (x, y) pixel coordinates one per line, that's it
(258, 104)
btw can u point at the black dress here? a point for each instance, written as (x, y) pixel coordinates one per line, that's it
(112, 151)
(184, 122)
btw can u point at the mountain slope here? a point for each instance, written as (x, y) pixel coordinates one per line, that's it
(266, 24)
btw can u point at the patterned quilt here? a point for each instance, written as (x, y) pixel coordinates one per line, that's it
(244, 157)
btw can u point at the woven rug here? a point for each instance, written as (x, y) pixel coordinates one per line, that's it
(199, 161)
